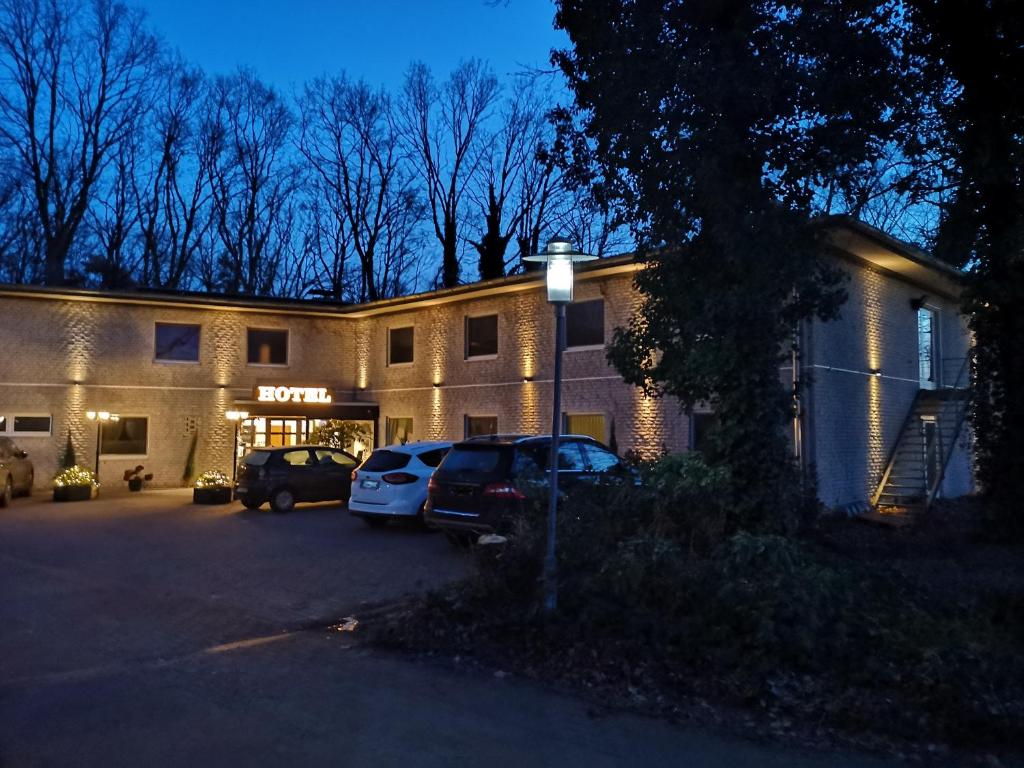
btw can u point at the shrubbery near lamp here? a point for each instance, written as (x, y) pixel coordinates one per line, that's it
(74, 484)
(213, 487)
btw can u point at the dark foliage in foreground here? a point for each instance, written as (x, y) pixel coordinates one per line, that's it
(656, 609)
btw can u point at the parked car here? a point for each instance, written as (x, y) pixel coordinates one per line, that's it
(16, 471)
(479, 485)
(292, 474)
(392, 482)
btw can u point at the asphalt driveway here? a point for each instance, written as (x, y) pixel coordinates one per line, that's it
(142, 630)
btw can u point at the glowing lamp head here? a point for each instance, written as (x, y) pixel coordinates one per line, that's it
(559, 255)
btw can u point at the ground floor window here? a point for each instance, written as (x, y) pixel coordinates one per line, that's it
(481, 425)
(36, 425)
(128, 436)
(270, 432)
(398, 430)
(590, 424)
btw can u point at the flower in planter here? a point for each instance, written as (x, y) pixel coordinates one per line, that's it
(75, 476)
(213, 479)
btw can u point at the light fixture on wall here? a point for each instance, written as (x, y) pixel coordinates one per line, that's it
(876, 372)
(560, 256)
(527, 379)
(437, 385)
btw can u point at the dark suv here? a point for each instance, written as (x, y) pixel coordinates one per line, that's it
(16, 471)
(481, 480)
(284, 476)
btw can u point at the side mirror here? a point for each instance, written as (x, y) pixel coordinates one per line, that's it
(22, 454)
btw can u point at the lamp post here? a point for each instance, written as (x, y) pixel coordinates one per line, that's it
(100, 417)
(559, 255)
(237, 417)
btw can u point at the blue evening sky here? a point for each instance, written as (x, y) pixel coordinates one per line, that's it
(287, 43)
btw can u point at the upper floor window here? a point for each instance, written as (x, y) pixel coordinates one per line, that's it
(267, 346)
(584, 324)
(482, 336)
(176, 343)
(400, 342)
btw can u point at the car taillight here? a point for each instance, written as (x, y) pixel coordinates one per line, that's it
(399, 478)
(432, 485)
(503, 491)
(355, 475)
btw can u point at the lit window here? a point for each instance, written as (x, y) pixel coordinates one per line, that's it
(3, 424)
(482, 336)
(398, 431)
(128, 436)
(584, 324)
(267, 346)
(481, 425)
(29, 425)
(400, 343)
(590, 424)
(176, 343)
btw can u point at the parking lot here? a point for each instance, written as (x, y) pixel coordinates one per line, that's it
(143, 630)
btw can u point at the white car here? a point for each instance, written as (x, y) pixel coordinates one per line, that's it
(392, 482)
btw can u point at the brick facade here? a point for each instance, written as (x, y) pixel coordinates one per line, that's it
(105, 343)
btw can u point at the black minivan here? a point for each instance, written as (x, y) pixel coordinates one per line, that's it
(481, 480)
(285, 476)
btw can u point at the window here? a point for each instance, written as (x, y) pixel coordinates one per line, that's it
(434, 457)
(175, 343)
(3, 423)
(482, 336)
(483, 460)
(601, 460)
(267, 346)
(590, 424)
(570, 457)
(926, 346)
(300, 458)
(386, 461)
(328, 457)
(400, 345)
(31, 426)
(398, 431)
(481, 425)
(701, 426)
(584, 324)
(128, 436)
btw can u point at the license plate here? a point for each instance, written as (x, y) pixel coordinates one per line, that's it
(371, 484)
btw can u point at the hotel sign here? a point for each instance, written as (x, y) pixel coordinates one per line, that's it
(269, 393)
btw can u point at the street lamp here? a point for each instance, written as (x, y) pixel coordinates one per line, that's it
(237, 417)
(100, 417)
(559, 255)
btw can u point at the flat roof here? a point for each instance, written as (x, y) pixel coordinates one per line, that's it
(853, 237)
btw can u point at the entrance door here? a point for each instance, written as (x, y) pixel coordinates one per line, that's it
(928, 347)
(931, 447)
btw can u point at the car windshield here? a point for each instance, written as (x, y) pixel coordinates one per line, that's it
(257, 458)
(385, 461)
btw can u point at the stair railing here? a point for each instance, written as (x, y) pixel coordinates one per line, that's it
(896, 449)
(960, 414)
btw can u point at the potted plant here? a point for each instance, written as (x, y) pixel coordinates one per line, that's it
(213, 487)
(74, 484)
(134, 478)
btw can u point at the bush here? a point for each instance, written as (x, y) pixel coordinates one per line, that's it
(75, 476)
(213, 478)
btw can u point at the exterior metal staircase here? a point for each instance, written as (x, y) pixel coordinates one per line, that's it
(918, 462)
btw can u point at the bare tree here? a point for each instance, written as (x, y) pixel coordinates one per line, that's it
(351, 142)
(253, 181)
(443, 129)
(111, 220)
(172, 192)
(72, 82)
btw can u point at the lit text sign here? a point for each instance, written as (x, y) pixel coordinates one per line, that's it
(272, 394)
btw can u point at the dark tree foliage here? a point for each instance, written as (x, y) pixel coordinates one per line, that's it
(714, 123)
(972, 53)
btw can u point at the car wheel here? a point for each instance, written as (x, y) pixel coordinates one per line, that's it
(250, 503)
(282, 501)
(375, 522)
(8, 491)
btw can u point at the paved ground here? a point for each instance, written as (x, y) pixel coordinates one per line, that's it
(143, 630)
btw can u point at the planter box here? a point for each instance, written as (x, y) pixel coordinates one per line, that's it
(72, 493)
(211, 495)
(135, 484)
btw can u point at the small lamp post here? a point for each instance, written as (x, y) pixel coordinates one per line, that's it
(237, 417)
(560, 256)
(100, 417)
